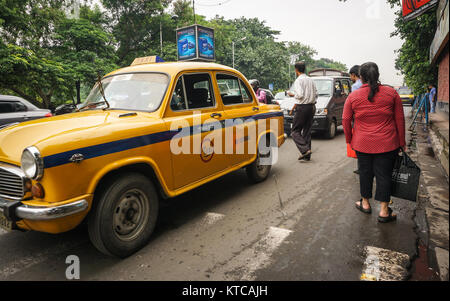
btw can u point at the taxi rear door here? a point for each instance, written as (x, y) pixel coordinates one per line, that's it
(239, 108)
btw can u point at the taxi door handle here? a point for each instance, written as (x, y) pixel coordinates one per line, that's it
(256, 109)
(216, 115)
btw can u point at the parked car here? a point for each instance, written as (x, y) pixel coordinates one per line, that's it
(15, 109)
(332, 93)
(66, 108)
(114, 160)
(406, 95)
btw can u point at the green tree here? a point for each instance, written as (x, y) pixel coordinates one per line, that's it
(413, 56)
(85, 48)
(27, 68)
(136, 27)
(329, 63)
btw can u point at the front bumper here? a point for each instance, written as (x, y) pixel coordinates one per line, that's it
(15, 210)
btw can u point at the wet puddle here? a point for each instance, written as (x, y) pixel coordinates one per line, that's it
(420, 270)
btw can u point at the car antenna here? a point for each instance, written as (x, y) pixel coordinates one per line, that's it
(100, 85)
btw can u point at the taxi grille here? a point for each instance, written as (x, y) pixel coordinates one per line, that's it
(11, 185)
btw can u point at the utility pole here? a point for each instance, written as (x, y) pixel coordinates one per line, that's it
(233, 53)
(193, 6)
(161, 34)
(233, 46)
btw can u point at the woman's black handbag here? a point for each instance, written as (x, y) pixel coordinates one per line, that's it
(405, 178)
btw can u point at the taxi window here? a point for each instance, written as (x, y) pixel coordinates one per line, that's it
(193, 91)
(233, 90)
(178, 102)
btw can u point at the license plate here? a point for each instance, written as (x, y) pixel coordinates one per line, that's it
(5, 224)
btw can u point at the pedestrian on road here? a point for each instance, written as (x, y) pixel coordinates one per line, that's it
(378, 133)
(432, 98)
(355, 77)
(357, 83)
(261, 95)
(305, 94)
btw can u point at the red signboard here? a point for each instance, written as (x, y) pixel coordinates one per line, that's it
(414, 8)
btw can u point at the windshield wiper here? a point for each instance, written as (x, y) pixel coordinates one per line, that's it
(91, 105)
(102, 92)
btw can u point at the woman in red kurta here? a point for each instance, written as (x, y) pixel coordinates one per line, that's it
(378, 133)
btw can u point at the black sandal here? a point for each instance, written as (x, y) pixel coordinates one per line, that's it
(387, 219)
(361, 208)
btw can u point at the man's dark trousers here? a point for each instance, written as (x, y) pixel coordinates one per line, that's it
(302, 126)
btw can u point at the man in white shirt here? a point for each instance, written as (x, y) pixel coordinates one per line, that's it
(305, 94)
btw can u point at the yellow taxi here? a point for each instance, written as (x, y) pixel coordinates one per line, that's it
(406, 95)
(145, 133)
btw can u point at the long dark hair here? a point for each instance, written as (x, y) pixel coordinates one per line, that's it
(371, 75)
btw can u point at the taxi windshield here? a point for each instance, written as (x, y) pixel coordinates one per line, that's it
(138, 91)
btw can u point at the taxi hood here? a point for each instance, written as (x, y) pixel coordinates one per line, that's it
(76, 130)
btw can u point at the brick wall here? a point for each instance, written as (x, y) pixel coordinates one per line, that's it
(443, 77)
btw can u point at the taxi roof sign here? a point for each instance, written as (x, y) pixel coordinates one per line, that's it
(147, 60)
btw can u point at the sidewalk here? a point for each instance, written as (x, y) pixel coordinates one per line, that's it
(439, 138)
(429, 148)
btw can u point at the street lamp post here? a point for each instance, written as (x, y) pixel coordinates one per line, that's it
(233, 45)
(292, 59)
(161, 34)
(174, 18)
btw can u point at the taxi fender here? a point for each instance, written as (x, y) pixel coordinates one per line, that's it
(124, 163)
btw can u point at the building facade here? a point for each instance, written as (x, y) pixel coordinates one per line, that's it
(439, 54)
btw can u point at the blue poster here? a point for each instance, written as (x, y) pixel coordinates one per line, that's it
(186, 41)
(205, 43)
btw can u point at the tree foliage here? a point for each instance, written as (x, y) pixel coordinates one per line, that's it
(413, 57)
(48, 57)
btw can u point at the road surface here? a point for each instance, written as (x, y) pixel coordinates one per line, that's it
(301, 224)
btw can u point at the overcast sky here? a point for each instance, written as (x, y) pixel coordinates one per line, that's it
(353, 32)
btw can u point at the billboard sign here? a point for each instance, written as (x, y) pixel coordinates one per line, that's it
(195, 43)
(206, 43)
(187, 43)
(414, 8)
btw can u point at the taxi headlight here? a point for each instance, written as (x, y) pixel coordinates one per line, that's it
(32, 163)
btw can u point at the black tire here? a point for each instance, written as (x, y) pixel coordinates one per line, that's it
(332, 129)
(258, 173)
(128, 203)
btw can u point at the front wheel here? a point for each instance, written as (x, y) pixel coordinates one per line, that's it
(124, 218)
(332, 129)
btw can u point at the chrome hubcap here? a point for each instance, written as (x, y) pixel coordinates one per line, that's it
(130, 215)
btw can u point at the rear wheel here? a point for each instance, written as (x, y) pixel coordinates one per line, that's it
(259, 170)
(124, 218)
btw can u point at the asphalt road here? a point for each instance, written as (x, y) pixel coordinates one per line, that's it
(301, 224)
